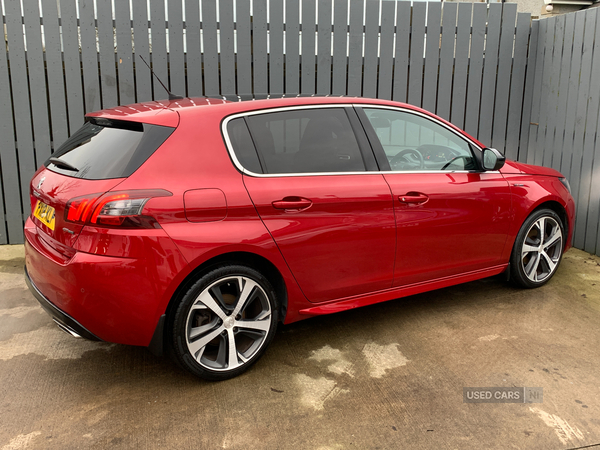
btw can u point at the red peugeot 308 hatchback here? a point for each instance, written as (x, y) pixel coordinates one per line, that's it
(196, 225)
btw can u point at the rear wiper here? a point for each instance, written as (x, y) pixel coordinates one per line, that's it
(63, 164)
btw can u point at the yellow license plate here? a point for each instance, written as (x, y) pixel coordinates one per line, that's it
(45, 214)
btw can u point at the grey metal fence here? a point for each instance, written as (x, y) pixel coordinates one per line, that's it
(466, 62)
(565, 122)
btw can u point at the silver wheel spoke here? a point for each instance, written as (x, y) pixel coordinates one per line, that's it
(556, 235)
(262, 325)
(201, 343)
(541, 224)
(551, 264)
(531, 269)
(199, 305)
(211, 304)
(198, 331)
(529, 248)
(247, 290)
(232, 362)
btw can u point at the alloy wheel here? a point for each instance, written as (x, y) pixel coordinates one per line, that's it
(542, 249)
(228, 323)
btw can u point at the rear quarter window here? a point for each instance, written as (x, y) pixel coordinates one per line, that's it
(112, 149)
(243, 146)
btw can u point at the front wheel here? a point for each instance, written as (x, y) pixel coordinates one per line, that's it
(538, 249)
(224, 322)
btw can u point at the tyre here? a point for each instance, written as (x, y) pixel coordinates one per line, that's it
(538, 249)
(224, 322)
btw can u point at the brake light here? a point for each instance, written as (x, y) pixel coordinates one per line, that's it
(78, 209)
(114, 209)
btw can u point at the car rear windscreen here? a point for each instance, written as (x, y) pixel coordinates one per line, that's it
(103, 149)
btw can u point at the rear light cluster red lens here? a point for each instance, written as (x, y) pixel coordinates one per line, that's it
(114, 209)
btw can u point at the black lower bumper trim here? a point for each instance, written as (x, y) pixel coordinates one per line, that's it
(63, 320)
(156, 346)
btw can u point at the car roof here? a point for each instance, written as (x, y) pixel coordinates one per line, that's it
(169, 112)
(160, 112)
(157, 112)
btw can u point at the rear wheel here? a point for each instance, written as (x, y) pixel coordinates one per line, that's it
(538, 249)
(224, 322)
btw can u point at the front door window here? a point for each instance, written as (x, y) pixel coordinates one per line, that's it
(413, 143)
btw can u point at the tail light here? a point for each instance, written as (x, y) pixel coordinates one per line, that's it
(114, 209)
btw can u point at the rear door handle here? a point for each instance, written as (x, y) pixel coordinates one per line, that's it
(292, 203)
(413, 197)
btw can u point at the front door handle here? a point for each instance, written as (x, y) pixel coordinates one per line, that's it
(292, 204)
(413, 198)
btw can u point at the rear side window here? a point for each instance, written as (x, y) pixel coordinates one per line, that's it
(305, 141)
(112, 149)
(243, 146)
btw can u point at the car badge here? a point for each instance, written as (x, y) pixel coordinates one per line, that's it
(41, 182)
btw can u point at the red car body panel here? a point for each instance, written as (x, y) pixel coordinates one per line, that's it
(343, 243)
(115, 298)
(353, 246)
(512, 167)
(531, 191)
(460, 227)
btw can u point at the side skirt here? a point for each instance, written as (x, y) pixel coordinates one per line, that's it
(398, 292)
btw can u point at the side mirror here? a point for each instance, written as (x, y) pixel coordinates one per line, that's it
(492, 159)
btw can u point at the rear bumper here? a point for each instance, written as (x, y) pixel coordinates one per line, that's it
(62, 319)
(101, 297)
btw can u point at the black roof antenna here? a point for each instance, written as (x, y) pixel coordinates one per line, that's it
(171, 95)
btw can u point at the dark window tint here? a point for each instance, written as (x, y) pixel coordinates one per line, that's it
(243, 146)
(306, 141)
(114, 149)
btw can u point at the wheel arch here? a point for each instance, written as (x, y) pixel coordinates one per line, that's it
(257, 262)
(523, 212)
(559, 209)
